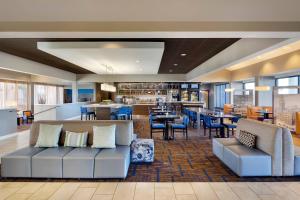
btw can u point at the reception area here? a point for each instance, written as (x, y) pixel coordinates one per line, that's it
(150, 100)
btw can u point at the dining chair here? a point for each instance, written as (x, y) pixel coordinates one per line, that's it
(210, 125)
(87, 113)
(231, 126)
(182, 126)
(194, 118)
(156, 127)
(28, 116)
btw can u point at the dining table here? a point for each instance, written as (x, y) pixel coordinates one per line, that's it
(221, 117)
(166, 118)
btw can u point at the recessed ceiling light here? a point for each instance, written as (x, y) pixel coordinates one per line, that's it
(170, 70)
(175, 64)
(183, 54)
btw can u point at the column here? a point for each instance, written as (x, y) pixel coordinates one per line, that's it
(74, 92)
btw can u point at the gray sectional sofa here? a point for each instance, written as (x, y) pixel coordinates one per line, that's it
(264, 160)
(67, 162)
(274, 155)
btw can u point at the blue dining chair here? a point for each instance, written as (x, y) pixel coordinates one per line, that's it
(194, 118)
(210, 125)
(183, 127)
(156, 127)
(231, 126)
(87, 113)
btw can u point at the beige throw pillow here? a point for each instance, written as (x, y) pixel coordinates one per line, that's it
(104, 136)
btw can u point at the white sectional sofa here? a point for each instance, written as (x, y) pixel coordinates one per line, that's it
(265, 160)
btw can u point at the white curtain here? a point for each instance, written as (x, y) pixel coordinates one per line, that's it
(13, 95)
(48, 94)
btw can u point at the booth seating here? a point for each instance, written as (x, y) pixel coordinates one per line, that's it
(228, 108)
(253, 112)
(264, 160)
(67, 162)
(297, 122)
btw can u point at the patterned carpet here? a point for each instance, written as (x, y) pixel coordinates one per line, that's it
(179, 160)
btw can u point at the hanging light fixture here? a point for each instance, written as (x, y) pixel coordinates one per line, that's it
(262, 88)
(108, 87)
(229, 89)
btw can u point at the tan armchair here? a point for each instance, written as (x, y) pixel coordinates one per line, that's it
(297, 122)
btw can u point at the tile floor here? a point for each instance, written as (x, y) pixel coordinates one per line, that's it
(150, 191)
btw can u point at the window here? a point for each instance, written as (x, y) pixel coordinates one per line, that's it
(13, 95)
(249, 86)
(289, 81)
(221, 97)
(48, 94)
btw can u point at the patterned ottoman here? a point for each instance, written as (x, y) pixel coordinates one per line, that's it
(142, 150)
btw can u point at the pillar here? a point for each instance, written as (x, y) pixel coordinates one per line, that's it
(74, 92)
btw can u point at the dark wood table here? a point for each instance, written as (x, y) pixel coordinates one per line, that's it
(265, 114)
(165, 119)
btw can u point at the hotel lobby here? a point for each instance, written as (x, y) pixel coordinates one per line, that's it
(152, 100)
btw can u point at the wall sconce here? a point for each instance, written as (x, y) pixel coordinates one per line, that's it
(262, 88)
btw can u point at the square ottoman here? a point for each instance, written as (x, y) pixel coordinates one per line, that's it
(79, 163)
(18, 163)
(112, 163)
(142, 151)
(49, 163)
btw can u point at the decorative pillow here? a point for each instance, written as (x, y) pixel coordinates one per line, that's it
(247, 139)
(104, 136)
(75, 139)
(48, 135)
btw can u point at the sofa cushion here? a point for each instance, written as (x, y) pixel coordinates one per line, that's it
(112, 163)
(296, 161)
(247, 139)
(48, 135)
(73, 139)
(247, 162)
(219, 143)
(79, 163)
(48, 163)
(18, 163)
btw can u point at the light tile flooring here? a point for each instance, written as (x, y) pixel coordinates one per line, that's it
(149, 191)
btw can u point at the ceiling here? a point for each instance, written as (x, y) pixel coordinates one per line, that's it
(197, 50)
(109, 57)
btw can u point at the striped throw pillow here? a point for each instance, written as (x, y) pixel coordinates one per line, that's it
(75, 139)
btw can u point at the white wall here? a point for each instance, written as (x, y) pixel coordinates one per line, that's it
(18, 64)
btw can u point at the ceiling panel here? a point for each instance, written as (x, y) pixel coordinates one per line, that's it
(197, 50)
